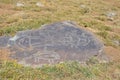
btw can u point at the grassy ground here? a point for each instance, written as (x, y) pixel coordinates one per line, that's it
(91, 14)
(62, 71)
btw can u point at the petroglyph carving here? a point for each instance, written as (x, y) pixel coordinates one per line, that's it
(54, 43)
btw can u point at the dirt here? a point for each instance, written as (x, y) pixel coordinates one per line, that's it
(113, 53)
(116, 30)
(4, 54)
(6, 9)
(5, 12)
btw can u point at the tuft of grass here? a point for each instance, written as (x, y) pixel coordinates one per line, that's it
(23, 25)
(71, 70)
(103, 34)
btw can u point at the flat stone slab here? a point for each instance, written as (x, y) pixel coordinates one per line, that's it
(54, 43)
(4, 41)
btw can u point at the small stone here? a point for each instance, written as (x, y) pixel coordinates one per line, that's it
(83, 6)
(39, 4)
(20, 4)
(116, 42)
(85, 9)
(111, 15)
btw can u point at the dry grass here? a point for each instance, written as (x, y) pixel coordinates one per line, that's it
(90, 14)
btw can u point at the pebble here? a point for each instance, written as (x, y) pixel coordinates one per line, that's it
(111, 15)
(19, 4)
(39, 4)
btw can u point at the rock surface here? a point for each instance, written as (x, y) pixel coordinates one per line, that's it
(4, 41)
(54, 43)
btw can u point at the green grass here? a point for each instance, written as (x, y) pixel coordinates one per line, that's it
(61, 71)
(23, 25)
(59, 11)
